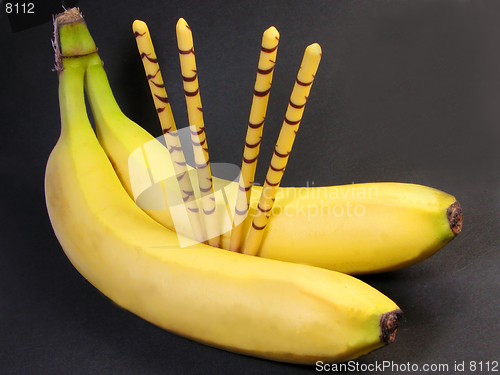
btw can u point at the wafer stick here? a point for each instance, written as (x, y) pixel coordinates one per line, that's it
(267, 59)
(295, 110)
(162, 105)
(197, 126)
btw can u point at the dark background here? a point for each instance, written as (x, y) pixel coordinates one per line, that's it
(407, 91)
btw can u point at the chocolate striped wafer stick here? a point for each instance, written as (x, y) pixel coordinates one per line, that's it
(197, 126)
(165, 115)
(267, 60)
(293, 116)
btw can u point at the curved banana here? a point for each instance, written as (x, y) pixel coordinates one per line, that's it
(250, 305)
(356, 229)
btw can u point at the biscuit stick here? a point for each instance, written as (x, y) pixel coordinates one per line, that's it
(267, 60)
(295, 110)
(197, 127)
(162, 105)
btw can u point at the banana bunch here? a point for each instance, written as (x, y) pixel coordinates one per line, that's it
(259, 306)
(354, 229)
(251, 305)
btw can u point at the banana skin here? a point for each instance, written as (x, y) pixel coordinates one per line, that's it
(355, 229)
(250, 305)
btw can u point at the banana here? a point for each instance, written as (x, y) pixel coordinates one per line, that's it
(249, 305)
(355, 229)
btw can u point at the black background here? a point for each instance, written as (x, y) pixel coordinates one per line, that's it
(407, 91)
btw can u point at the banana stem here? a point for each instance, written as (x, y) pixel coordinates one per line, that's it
(167, 122)
(72, 39)
(74, 50)
(267, 60)
(197, 127)
(293, 117)
(74, 118)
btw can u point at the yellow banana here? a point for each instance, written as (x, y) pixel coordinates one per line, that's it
(356, 229)
(250, 305)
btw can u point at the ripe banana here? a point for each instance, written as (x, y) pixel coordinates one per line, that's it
(250, 305)
(355, 229)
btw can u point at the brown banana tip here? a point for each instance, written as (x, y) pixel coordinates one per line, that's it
(389, 325)
(455, 217)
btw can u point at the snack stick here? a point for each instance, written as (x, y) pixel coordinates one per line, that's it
(167, 122)
(197, 127)
(295, 110)
(267, 60)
